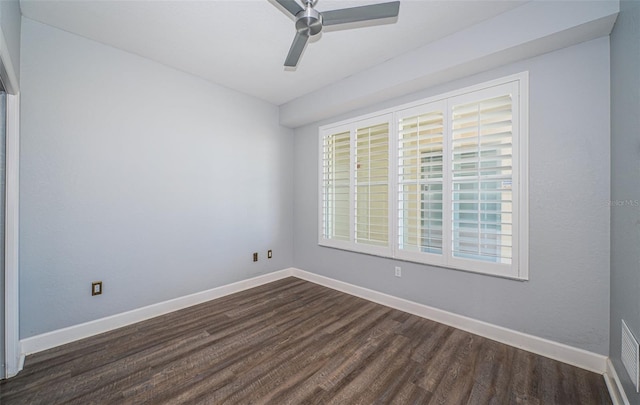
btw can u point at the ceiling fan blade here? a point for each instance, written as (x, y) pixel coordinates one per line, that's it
(299, 42)
(291, 6)
(362, 13)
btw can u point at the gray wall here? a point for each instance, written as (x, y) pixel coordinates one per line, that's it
(625, 183)
(10, 22)
(567, 296)
(154, 181)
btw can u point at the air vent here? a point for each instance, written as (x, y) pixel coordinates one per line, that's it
(631, 355)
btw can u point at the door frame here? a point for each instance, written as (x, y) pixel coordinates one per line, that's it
(13, 356)
(14, 359)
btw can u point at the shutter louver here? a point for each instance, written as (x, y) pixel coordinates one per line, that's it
(420, 183)
(372, 185)
(482, 200)
(336, 163)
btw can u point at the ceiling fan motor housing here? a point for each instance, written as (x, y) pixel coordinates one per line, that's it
(309, 21)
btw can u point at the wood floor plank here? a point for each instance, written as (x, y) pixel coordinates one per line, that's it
(343, 355)
(440, 359)
(236, 351)
(522, 388)
(400, 385)
(357, 350)
(386, 381)
(249, 365)
(358, 386)
(492, 374)
(456, 384)
(373, 314)
(294, 342)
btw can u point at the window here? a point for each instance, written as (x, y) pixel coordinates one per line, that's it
(441, 181)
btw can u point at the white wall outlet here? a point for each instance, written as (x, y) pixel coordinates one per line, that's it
(398, 271)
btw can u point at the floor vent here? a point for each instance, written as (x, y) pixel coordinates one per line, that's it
(631, 355)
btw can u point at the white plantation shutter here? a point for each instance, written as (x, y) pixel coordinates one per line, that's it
(354, 177)
(420, 181)
(372, 185)
(336, 163)
(482, 179)
(441, 181)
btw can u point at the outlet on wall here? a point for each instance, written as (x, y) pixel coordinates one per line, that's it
(398, 271)
(96, 288)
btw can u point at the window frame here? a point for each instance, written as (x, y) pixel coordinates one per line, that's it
(519, 267)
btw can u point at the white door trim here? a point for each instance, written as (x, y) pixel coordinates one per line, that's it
(12, 334)
(11, 85)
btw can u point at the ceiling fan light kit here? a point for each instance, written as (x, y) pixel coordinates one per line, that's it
(309, 21)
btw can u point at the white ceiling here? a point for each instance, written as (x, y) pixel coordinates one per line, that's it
(242, 44)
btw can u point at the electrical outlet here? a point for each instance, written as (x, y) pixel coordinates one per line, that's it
(269, 254)
(96, 288)
(255, 257)
(398, 271)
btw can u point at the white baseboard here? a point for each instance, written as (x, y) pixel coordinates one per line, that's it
(618, 396)
(59, 337)
(557, 351)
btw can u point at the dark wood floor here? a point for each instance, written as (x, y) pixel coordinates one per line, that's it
(295, 342)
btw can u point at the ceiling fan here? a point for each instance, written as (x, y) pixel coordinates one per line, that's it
(309, 22)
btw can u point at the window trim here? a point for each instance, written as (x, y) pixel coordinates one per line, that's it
(519, 269)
